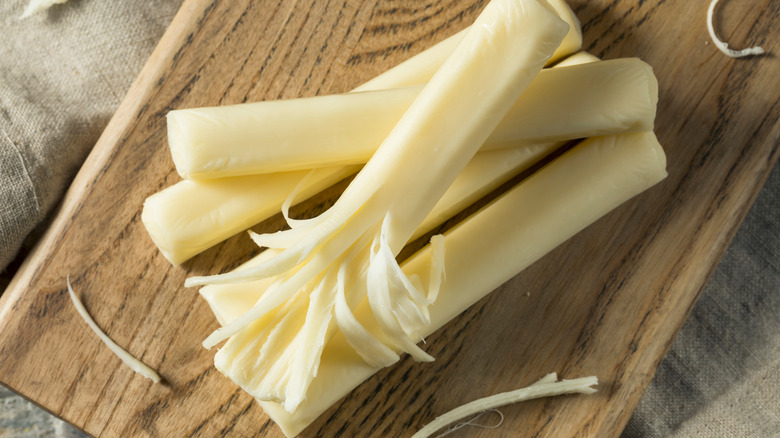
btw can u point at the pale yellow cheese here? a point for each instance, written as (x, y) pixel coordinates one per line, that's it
(577, 59)
(131, 361)
(560, 104)
(383, 206)
(723, 46)
(484, 251)
(194, 133)
(485, 172)
(192, 216)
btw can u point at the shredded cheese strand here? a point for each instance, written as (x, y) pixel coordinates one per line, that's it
(372, 350)
(386, 309)
(329, 252)
(293, 223)
(537, 390)
(129, 360)
(550, 378)
(723, 46)
(472, 423)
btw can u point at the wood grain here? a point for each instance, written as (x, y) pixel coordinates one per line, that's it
(608, 302)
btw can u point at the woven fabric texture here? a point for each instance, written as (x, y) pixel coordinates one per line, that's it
(64, 72)
(721, 377)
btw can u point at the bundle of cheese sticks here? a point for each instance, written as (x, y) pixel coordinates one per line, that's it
(326, 305)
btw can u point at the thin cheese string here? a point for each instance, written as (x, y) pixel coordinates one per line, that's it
(723, 46)
(288, 202)
(543, 388)
(128, 359)
(549, 378)
(472, 423)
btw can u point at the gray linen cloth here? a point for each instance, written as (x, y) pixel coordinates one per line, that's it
(64, 72)
(62, 75)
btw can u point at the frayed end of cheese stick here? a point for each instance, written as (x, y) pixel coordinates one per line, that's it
(560, 200)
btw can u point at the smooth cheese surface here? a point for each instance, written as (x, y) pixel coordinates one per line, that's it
(577, 59)
(192, 216)
(223, 141)
(560, 104)
(262, 137)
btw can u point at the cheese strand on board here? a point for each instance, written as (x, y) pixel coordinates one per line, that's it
(560, 104)
(383, 206)
(583, 385)
(483, 251)
(128, 359)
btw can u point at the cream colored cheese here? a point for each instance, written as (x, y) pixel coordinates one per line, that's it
(577, 59)
(192, 216)
(193, 133)
(128, 359)
(382, 207)
(487, 249)
(560, 104)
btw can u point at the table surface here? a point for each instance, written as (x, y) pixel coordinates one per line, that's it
(636, 273)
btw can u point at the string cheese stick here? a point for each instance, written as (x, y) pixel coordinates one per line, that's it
(485, 172)
(560, 104)
(419, 68)
(183, 222)
(383, 205)
(229, 301)
(202, 128)
(485, 251)
(191, 216)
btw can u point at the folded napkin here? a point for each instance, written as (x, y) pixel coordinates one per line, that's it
(65, 71)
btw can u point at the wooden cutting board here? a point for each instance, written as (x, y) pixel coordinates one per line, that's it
(608, 302)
